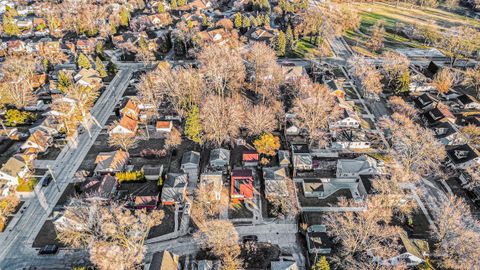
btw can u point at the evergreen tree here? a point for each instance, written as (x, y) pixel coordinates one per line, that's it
(124, 16)
(266, 20)
(254, 21)
(238, 20)
(83, 61)
(321, 264)
(173, 4)
(112, 68)
(64, 81)
(113, 28)
(205, 20)
(100, 67)
(246, 22)
(182, 3)
(142, 43)
(281, 44)
(290, 40)
(193, 127)
(402, 83)
(161, 7)
(99, 49)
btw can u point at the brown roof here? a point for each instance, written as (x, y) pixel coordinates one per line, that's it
(131, 107)
(163, 124)
(40, 138)
(129, 123)
(111, 160)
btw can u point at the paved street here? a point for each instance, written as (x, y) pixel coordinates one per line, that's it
(17, 241)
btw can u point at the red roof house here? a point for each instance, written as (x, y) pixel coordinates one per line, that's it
(241, 184)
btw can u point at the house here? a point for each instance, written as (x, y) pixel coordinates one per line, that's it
(130, 109)
(283, 265)
(208, 265)
(462, 156)
(126, 126)
(241, 184)
(446, 133)
(219, 159)
(275, 181)
(219, 36)
(467, 102)
(88, 78)
(145, 202)
(100, 187)
(39, 140)
(213, 181)
(318, 241)
(164, 126)
(14, 169)
(111, 162)
(250, 158)
(190, 164)
(412, 252)
(301, 158)
(349, 119)
(261, 34)
(353, 139)
(292, 73)
(283, 158)
(164, 260)
(362, 165)
(424, 102)
(174, 189)
(86, 45)
(16, 46)
(291, 129)
(152, 172)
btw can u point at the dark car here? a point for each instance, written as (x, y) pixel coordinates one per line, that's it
(46, 180)
(250, 238)
(48, 250)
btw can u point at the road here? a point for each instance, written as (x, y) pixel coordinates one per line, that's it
(17, 242)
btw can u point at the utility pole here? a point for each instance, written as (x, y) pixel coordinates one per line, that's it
(53, 177)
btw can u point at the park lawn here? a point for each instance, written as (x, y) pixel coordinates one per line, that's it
(372, 12)
(305, 48)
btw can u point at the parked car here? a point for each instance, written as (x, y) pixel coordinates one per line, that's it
(46, 180)
(48, 250)
(250, 238)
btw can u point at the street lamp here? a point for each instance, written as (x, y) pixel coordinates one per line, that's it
(53, 177)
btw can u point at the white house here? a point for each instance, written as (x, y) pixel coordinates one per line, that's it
(363, 165)
(13, 169)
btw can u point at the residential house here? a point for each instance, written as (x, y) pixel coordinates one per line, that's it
(208, 265)
(447, 133)
(467, 102)
(145, 201)
(349, 119)
(283, 158)
(39, 141)
(241, 184)
(301, 158)
(293, 73)
(87, 46)
(436, 115)
(89, 78)
(219, 36)
(283, 265)
(250, 158)
(16, 46)
(353, 139)
(130, 109)
(152, 172)
(190, 165)
(462, 156)
(291, 129)
(213, 181)
(318, 241)
(412, 252)
(275, 181)
(362, 165)
(164, 126)
(219, 159)
(14, 169)
(164, 260)
(126, 126)
(424, 102)
(174, 189)
(111, 162)
(261, 34)
(99, 187)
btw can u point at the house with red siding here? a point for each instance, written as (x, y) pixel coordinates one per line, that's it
(241, 184)
(250, 158)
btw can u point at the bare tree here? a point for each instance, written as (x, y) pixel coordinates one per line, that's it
(123, 141)
(223, 69)
(394, 65)
(283, 197)
(472, 134)
(458, 42)
(113, 235)
(472, 79)
(369, 76)
(206, 206)
(443, 81)
(456, 234)
(16, 87)
(221, 237)
(414, 147)
(398, 105)
(473, 173)
(264, 73)
(260, 119)
(314, 107)
(222, 118)
(174, 139)
(377, 37)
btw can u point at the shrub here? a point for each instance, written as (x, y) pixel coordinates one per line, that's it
(267, 144)
(15, 117)
(26, 185)
(130, 176)
(158, 153)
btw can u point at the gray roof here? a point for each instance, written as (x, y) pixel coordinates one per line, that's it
(219, 154)
(191, 158)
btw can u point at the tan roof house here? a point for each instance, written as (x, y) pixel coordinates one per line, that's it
(88, 77)
(13, 169)
(131, 109)
(126, 126)
(111, 162)
(39, 140)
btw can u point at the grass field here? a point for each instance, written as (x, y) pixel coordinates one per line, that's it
(391, 15)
